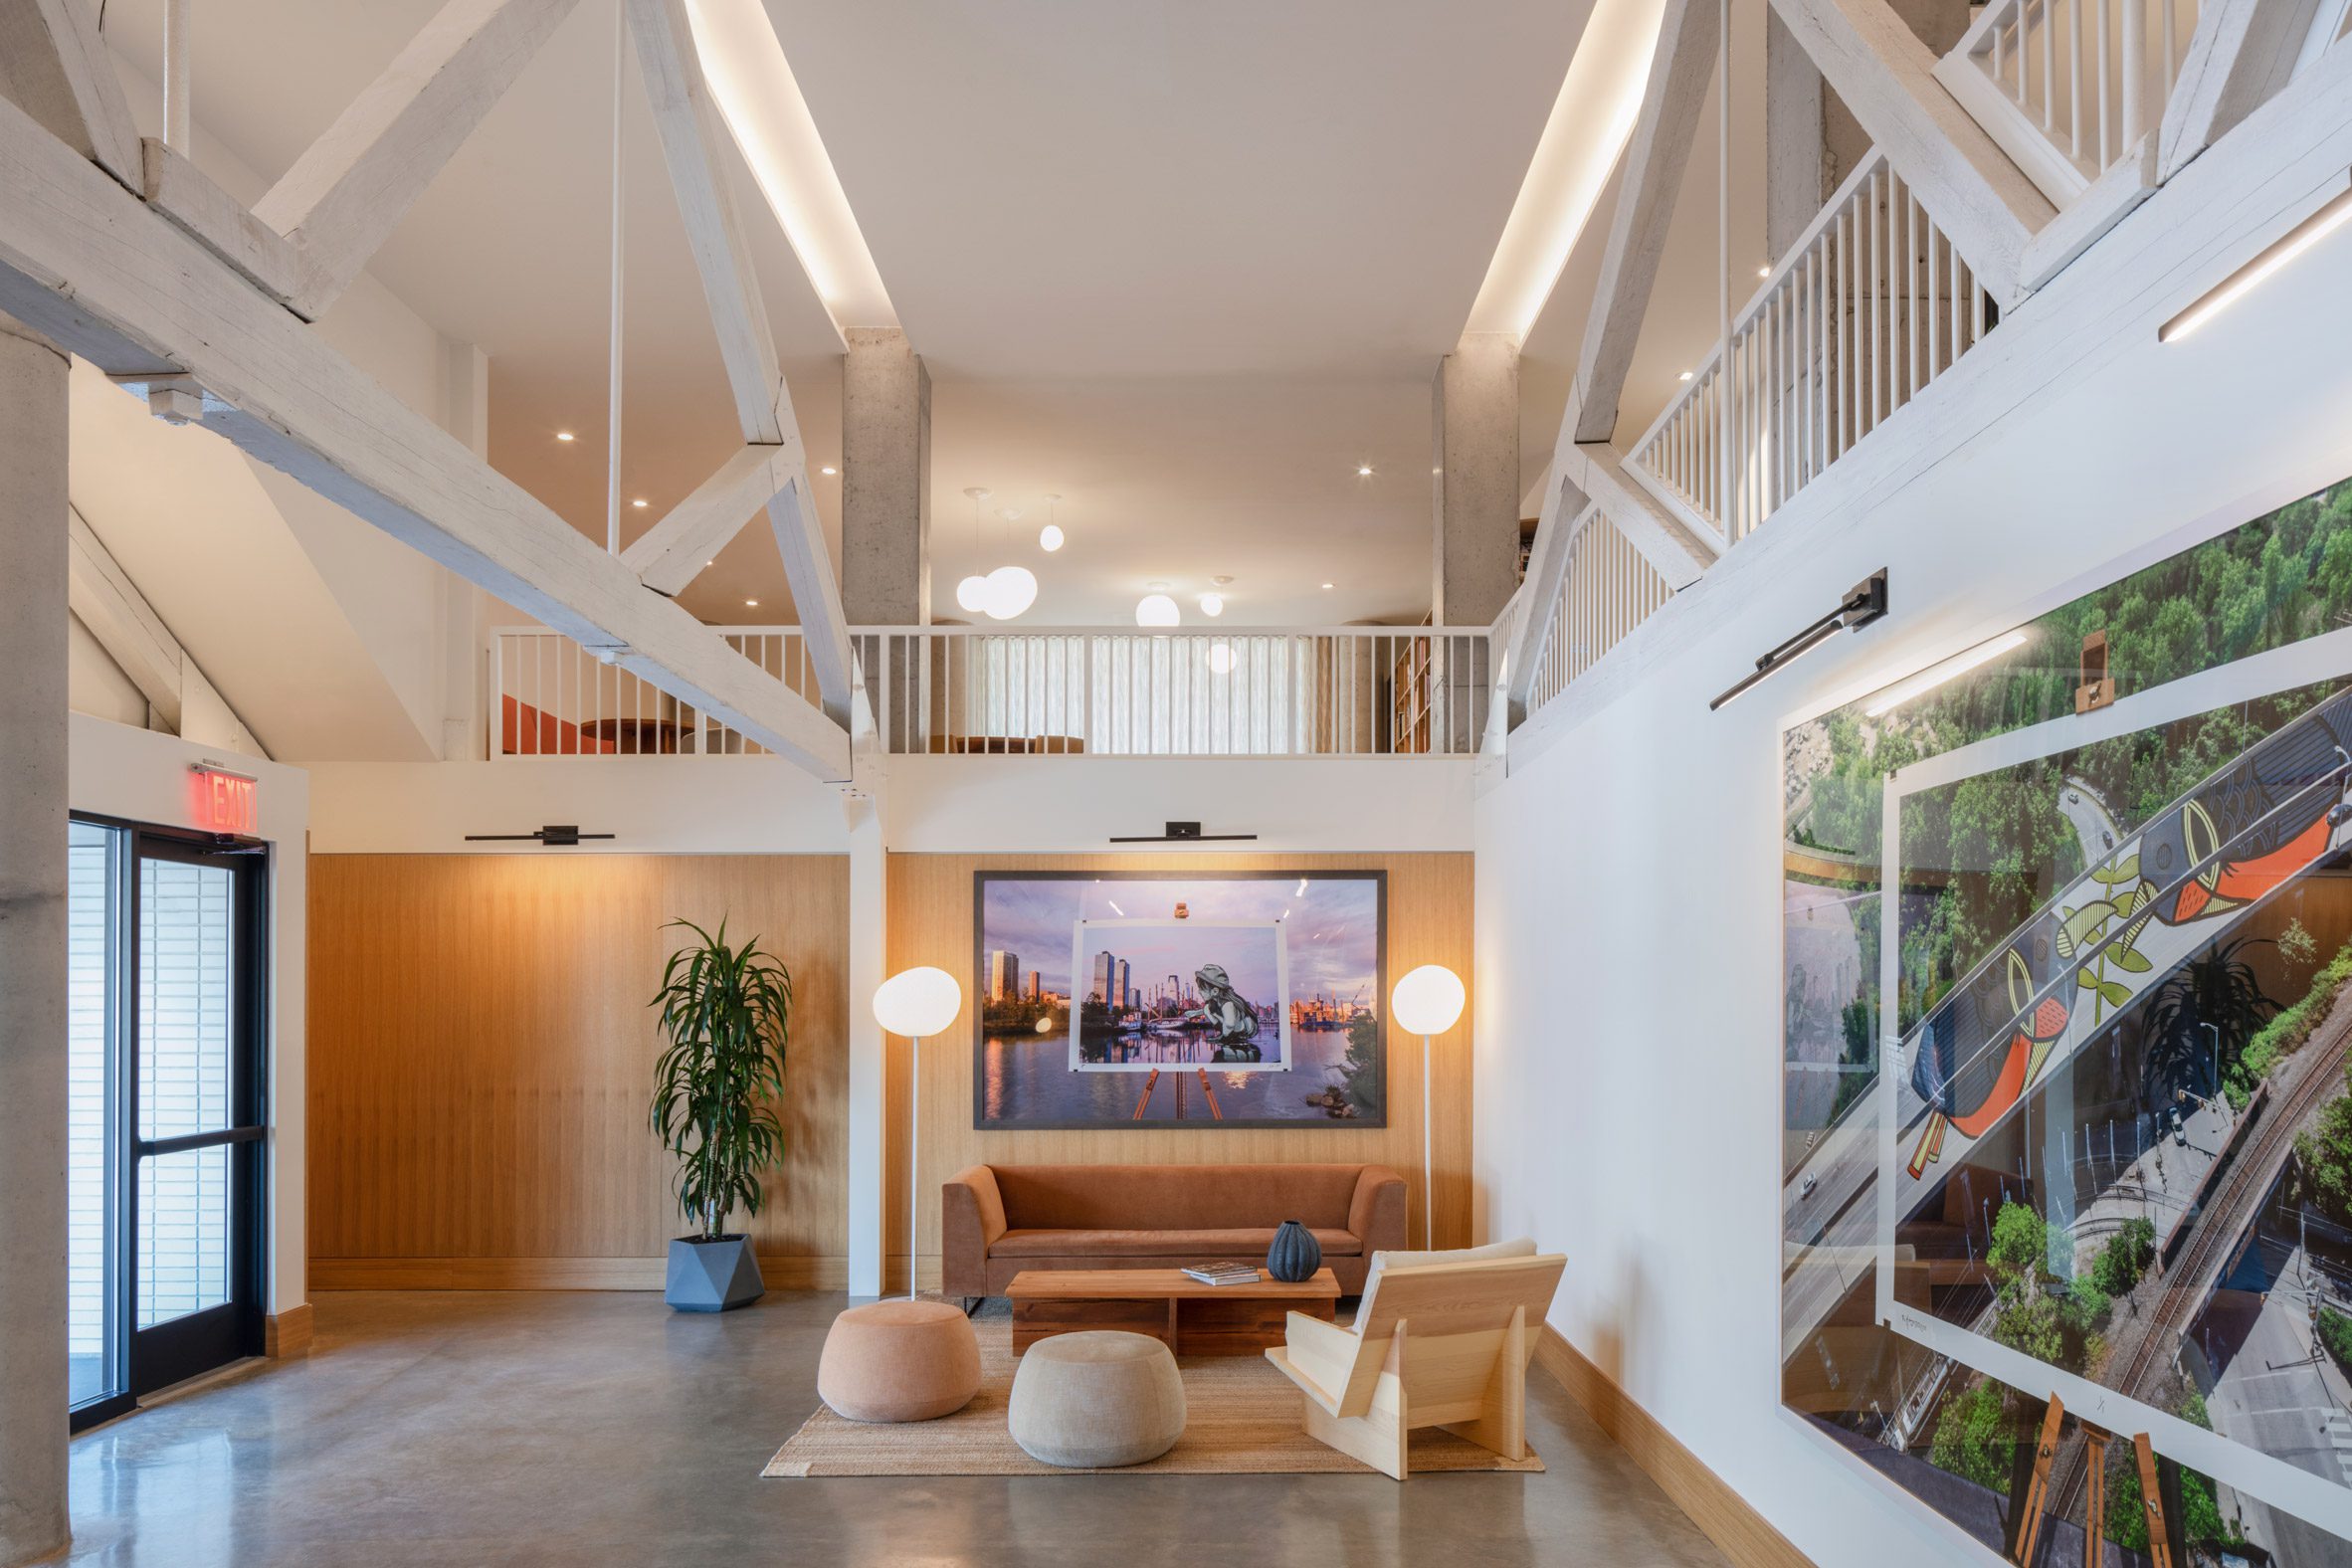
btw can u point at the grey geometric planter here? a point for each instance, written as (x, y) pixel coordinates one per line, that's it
(712, 1277)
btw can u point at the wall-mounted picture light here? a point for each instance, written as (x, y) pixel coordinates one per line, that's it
(1863, 603)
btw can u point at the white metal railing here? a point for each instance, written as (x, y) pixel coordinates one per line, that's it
(1119, 691)
(974, 690)
(550, 696)
(2068, 88)
(1610, 589)
(1871, 306)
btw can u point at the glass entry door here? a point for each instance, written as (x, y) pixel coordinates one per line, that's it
(167, 1190)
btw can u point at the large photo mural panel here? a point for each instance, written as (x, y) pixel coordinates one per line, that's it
(2067, 926)
(1218, 999)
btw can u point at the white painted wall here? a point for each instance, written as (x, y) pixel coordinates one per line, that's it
(653, 805)
(1043, 805)
(143, 776)
(1627, 979)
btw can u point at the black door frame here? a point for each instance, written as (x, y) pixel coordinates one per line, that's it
(187, 1346)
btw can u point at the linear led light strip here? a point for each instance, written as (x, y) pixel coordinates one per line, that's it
(761, 102)
(2283, 250)
(1936, 675)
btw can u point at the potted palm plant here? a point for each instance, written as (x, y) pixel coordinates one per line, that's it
(725, 1012)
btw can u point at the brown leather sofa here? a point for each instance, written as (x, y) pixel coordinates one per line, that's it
(1001, 1219)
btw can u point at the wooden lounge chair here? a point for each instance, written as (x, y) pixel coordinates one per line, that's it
(1436, 1345)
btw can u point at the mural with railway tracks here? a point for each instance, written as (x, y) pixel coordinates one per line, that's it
(2064, 1110)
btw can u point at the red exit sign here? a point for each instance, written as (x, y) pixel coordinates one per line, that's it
(225, 802)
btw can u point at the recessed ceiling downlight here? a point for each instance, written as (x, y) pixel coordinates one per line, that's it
(1157, 609)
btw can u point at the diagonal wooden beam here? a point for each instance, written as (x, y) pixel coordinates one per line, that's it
(104, 599)
(1653, 177)
(1887, 76)
(87, 264)
(667, 556)
(1567, 512)
(343, 197)
(54, 67)
(693, 140)
(2242, 52)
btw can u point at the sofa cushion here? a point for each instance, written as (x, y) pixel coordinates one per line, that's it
(1175, 1197)
(1180, 1247)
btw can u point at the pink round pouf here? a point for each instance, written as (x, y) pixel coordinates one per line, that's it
(900, 1361)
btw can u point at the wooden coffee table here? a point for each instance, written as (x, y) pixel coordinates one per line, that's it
(1189, 1318)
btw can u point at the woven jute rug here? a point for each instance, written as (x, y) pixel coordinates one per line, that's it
(1241, 1417)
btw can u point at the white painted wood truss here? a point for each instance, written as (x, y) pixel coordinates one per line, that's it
(693, 143)
(1565, 510)
(2242, 52)
(343, 197)
(1887, 76)
(54, 66)
(1652, 178)
(87, 263)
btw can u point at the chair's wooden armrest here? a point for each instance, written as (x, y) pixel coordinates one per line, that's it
(1321, 1355)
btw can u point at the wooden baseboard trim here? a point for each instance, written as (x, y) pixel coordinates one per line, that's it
(1723, 1515)
(550, 1273)
(287, 1334)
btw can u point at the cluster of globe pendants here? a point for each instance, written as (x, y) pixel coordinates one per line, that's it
(1006, 592)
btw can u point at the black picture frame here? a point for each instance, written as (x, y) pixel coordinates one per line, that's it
(979, 1039)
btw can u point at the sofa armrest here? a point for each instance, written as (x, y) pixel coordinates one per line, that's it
(971, 1218)
(1377, 1213)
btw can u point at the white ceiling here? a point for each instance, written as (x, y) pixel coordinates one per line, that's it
(1186, 264)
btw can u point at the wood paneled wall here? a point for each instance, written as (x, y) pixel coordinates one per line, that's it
(481, 1061)
(930, 922)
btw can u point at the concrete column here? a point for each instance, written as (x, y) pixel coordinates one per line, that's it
(1475, 492)
(1795, 152)
(885, 487)
(33, 642)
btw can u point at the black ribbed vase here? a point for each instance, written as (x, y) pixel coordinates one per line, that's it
(1295, 1254)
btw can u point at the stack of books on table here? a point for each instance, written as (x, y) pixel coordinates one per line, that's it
(1223, 1274)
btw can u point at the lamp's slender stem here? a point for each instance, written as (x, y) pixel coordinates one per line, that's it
(1429, 1168)
(914, 1127)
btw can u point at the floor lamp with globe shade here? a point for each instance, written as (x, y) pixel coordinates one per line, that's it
(1426, 1002)
(917, 1002)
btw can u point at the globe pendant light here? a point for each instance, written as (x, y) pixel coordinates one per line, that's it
(1050, 537)
(1157, 609)
(1009, 590)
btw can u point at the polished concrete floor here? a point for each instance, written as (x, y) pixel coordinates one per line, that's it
(587, 1429)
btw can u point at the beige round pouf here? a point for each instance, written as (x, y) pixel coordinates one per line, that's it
(900, 1361)
(1095, 1400)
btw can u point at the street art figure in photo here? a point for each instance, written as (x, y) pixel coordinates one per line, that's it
(2249, 829)
(1233, 1023)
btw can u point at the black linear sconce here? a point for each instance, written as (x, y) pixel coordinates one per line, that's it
(555, 834)
(1863, 603)
(1183, 833)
